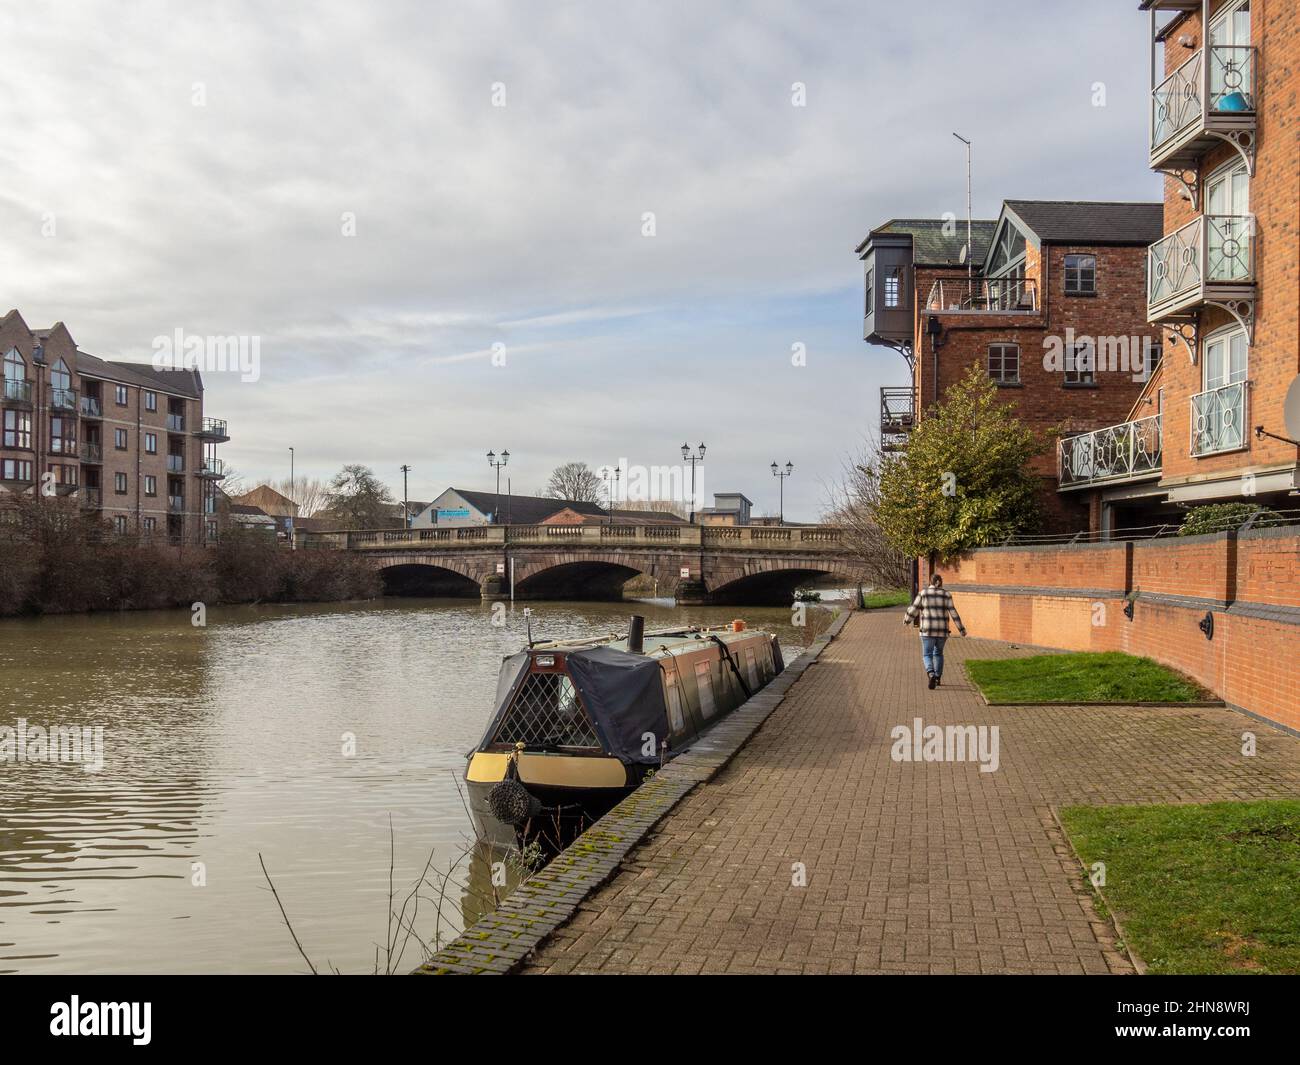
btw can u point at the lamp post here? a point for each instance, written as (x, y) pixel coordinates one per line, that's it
(406, 499)
(782, 474)
(615, 473)
(496, 464)
(689, 456)
(291, 473)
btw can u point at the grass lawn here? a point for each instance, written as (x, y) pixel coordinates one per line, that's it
(1085, 677)
(886, 597)
(1200, 889)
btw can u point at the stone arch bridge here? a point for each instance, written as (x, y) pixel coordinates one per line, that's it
(694, 564)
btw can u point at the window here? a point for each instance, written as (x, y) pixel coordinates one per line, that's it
(15, 367)
(1080, 275)
(1152, 352)
(119, 395)
(151, 401)
(119, 483)
(63, 436)
(212, 530)
(59, 375)
(704, 683)
(64, 475)
(150, 524)
(1080, 365)
(676, 719)
(893, 286)
(150, 485)
(151, 443)
(1004, 363)
(18, 429)
(119, 439)
(16, 470)
(119, 524)
(871, 291)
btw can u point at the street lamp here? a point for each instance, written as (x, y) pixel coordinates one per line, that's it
(496, 464)
(689, 456)
(406, 499)
(611, 492)
(782, 474)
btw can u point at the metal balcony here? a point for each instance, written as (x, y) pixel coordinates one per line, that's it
(215, 469)
(175, 463)
(897, 417)
(92, 498)
(1127, 452)
(18, 392)
(91, 452)
(90, 407)
(1209, 260)
(63, 399)
(997, 295)
(176, 423)
(1219, 420)
(176, 504)
(213, 429)
(1203, 104)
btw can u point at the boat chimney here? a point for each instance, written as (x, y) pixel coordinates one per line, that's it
(636, 634)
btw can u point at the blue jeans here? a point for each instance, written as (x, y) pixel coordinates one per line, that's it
(932, 653)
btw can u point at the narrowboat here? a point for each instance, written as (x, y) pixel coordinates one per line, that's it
(579, 724)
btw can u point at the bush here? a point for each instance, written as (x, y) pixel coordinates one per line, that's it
(1216, 517)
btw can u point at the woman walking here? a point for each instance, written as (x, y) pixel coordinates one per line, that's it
(930, 611)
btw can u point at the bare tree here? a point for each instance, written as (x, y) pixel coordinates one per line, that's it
(654, 506)
(852, 507)
(308, 492)
(576, 481)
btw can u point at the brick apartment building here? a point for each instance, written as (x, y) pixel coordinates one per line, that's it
(1050, 302)
(129, 441)
(1222, 279)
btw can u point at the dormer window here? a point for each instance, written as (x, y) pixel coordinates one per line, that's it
(59, 375)
(15, 366)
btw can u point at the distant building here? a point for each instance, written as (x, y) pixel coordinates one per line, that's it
(245, 516)
(459, 507)
(277, 505)
(729, 508)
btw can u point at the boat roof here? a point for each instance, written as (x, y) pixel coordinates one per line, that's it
(656, 644)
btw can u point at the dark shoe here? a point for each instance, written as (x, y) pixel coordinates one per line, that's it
(937, 681)
(933, 681)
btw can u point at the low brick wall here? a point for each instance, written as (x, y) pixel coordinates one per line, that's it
(1073, 598)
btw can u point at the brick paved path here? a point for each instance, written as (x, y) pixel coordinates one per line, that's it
(911, 867)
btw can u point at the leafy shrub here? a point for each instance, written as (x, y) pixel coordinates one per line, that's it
(1216, 517)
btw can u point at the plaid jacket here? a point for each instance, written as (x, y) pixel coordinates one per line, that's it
(933, 606)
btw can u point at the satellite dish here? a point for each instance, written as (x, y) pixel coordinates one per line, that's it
(1291, 410)
(961, 258)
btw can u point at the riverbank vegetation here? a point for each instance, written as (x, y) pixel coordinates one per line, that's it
(1083, 677)
(1199, 889)
(885, 597)
(57, 559)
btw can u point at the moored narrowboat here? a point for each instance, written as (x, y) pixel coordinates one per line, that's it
(579, 724)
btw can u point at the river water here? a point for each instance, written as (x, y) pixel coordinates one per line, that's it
(303, 734)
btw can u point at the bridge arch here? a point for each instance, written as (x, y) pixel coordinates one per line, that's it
(772, 582)
(576, 575)
(427, 579)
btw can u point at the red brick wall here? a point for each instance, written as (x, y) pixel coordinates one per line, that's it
(1252, 662)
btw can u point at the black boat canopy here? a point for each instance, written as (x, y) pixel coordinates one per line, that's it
(624, 694)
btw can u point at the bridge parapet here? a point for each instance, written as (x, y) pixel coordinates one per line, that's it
(801, 538)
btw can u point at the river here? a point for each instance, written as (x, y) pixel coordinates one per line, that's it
(302, 734)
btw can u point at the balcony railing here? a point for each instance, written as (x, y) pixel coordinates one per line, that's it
(91, 452)
(1124, 452)
(90, 407)
(1194, 99)
(1185, 267)
(18, 391)
(175, 463)
(176, 504)
(91, 498)
(63, 399)
(897, 417)
(176, 423)
(996, 295)
(1219, 419)
(214, 468)
(213, 427)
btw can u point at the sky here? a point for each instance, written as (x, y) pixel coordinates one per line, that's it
(576, 231)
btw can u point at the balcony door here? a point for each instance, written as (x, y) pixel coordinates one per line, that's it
(1228, 224)
(1230, 59)
(1219, 412)
(1225, 358)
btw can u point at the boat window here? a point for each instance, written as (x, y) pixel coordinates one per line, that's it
(546, 713)
(751, 668)
(704, 681)
(676, 719)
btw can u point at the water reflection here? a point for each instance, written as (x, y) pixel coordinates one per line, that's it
(304, 734)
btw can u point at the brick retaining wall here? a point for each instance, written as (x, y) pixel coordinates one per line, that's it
(1073, 598)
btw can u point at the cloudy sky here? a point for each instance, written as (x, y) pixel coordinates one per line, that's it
(341, 181)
